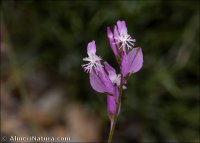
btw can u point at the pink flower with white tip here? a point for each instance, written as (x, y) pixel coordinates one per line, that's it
(104, 79)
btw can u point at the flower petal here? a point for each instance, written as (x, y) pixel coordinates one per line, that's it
(109, 85)
(111, 40)
(111, 103)
(116, 31)
(124, 65)
(122, 27)
(91, 48)
(135, 60)
(100, 82)
(116, 36)
(109, 69)
(97, 83)
(115, 78)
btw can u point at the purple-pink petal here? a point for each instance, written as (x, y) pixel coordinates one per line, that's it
(111, 103)
(124, 65)
(109, 68)
(109, 85)
(112, 41)
(135, 60)
(116, 31)
(122, 27)
(100, 82)
(91, 48)
(132, 62)
(97, 83)
(116, 35)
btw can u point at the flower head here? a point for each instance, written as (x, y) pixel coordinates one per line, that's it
(122, 38)
(92, 59)
(104, 79)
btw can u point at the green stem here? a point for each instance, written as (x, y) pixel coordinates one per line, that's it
(114, 119)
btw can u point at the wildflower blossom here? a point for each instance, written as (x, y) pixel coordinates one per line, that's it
(123, 37)
(104, 79)
(99, 80)
(92, 59)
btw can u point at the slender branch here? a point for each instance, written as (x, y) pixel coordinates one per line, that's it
(114, 119)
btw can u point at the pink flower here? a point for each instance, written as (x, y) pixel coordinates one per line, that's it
(120, 40)
(99, 80)
(92, 59)
(104, 79)
(123, 37)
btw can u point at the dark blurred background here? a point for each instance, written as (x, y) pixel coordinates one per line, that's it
(45, 92)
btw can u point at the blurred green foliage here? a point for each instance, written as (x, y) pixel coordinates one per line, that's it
(161, 103)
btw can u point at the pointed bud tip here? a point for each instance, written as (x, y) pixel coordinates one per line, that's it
(91, 42)
(91, 48)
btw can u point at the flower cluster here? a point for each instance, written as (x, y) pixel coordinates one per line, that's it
(103, 78)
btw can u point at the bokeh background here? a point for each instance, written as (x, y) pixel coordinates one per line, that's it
(45, 92)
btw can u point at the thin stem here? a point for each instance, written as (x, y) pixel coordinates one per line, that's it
(114, 119)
